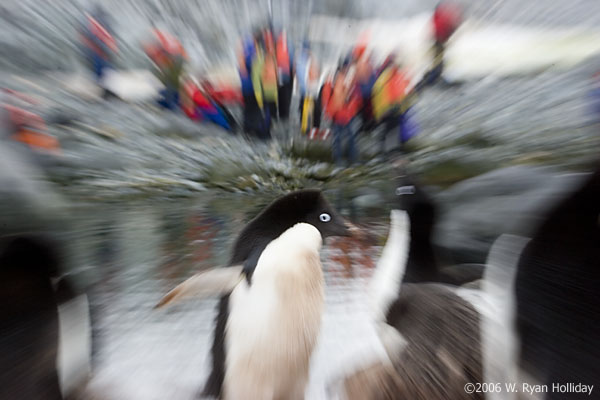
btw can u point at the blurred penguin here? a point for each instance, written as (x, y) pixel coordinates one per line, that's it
(557, 288)
(430, 334)
(44, 344)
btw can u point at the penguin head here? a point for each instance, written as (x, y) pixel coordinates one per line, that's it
(410, 197)
(311, 207)
(304, 206)
(322, 216)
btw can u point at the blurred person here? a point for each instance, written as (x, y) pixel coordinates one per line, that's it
(224, 96)
(24, 126)
(168, 56)
(446, 19)
(264, 80)
(285, 74)
(307, 80)
(365, 77)
(254, 122)
(389, 101)
(199, 106)
(100, 45)
(341, 102)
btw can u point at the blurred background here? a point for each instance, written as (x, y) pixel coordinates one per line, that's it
(139, 136)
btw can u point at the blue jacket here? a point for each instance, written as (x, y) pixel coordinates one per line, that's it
(249, 52)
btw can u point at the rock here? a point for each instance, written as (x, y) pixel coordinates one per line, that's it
(29, 205)
(475, 285)
(320, 171)
(449, 166)
(473, 213)
(462, 274)
(371, 200)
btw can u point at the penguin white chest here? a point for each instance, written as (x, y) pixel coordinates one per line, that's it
(274, 323)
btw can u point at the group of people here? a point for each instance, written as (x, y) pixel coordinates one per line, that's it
(357, 91)
(199, 101)
(361, 96)
(358, 97)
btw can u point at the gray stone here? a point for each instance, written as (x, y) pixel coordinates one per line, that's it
(473, 213)
(371, 200)
(27, 202)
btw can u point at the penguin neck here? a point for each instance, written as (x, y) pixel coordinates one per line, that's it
(421, 265)
(386, 282)
(292, 262)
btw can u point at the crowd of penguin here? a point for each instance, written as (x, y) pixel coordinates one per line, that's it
(532, 316)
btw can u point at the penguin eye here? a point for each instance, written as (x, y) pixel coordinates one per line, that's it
(405, 190)
(325, 217)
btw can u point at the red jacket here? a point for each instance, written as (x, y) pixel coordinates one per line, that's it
(341, 114)
(446, 19)
(283, 55)
(226, 95)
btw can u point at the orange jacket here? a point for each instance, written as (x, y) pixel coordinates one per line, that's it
(31, 130)
(283, 55)
(389, 91)
(341, 103)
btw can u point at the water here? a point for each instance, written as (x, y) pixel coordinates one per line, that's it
(135, 253)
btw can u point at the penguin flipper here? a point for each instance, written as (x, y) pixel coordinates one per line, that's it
(214, 282)
(251, 263)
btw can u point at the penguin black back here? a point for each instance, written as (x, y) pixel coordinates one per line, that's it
(557, 288)
(307, 206)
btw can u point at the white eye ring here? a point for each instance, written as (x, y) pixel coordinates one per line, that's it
(405, 190)
(325, 217)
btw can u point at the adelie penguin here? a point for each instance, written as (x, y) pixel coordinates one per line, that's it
(557, 288)
(269, 318)
(429, 333)
(541, 306)
(44, 317)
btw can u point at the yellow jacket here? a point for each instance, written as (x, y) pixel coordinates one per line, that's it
(389, 92)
